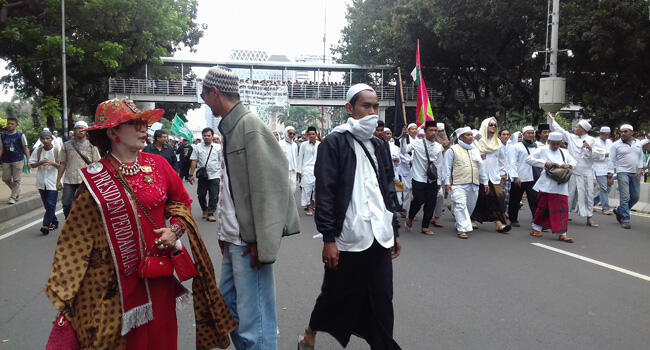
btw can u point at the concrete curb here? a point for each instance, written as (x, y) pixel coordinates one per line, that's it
(642, 206)
(26, 204)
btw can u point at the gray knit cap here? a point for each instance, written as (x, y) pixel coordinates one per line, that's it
(45, 133)
(223, 78)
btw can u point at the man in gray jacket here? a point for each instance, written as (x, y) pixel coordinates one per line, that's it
(257, 209)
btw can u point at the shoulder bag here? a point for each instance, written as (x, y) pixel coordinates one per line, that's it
(537, 171)
(559, 174)
(432, 171)
(63, 336)
(74, 145)
(202, 172)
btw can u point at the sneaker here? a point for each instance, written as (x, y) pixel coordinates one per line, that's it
(608, 212)
(45, 230)
(211, 218)
(53, 226)
(11, 200)
(618, 216)
(626, 225)
(205, 215)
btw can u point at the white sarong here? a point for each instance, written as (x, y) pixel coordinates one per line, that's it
(581, 194)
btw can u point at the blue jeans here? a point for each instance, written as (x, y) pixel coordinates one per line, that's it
(49, 199)
(68, 197)
(601, 197)
(250, 296)
(628, 188)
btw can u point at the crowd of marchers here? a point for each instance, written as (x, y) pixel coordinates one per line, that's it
(119, 260)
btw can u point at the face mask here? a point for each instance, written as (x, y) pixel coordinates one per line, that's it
(363, 128)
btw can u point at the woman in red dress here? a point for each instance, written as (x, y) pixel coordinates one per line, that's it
(118, 220)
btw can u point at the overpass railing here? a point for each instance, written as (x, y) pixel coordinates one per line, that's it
(295, 91)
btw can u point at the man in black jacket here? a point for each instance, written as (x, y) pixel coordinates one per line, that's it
(354, 197)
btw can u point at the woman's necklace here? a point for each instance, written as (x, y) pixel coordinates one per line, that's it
(128, 170)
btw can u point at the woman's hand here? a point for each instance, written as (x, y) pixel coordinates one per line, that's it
(167, 237)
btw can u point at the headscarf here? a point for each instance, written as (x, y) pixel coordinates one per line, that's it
(514, 139)
(485, 144)
(286, 133)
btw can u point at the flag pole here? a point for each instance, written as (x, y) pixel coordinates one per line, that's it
(401, 93)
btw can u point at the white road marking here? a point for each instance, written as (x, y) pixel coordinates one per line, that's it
(595, 262)
(11, 233)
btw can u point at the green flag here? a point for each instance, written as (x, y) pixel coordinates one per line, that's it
(179, 128)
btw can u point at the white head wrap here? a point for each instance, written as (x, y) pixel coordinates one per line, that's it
(420, 131)
(555, 136)
(355, 89)
(463, 130)
(626, 127)
(411, 125)
(387, 130)
(441, 126)
(584, 124)
(514, 138)
(81, 123)
(527, 128)
(605, 129)
(286, 132)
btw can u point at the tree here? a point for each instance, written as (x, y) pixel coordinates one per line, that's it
(478, 53)
(300, 117)
(103, 38)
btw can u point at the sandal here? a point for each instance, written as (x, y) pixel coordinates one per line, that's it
(427, 232)
(462, 235)
(435, 224)
(408, 226)
(592, 224)
(566, 239)
(535, 233)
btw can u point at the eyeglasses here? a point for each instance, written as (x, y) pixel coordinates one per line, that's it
(291, 133)
(492, 124)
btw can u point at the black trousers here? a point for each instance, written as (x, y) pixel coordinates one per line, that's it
(210, 188)
(357, 299)
(423, 193)
(516, 193)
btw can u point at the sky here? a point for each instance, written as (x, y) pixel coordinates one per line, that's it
(285, 27)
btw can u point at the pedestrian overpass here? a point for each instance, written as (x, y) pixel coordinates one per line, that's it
(298, 94)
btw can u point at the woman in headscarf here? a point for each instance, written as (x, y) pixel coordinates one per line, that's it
(117, 221)
(491, 207)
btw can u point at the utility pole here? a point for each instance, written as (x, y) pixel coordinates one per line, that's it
(555, 25)
(552, 89)
(64, 86)
(322, 109)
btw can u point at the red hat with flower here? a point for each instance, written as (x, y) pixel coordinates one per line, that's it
(114, 112)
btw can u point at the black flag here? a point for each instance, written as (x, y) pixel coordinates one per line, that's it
(398, 122)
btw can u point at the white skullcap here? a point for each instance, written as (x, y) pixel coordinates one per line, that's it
(289, 128)
(527, 128)
(463, 130)
(81, 123)
(411, 125)
(584, 124)
(555, 136)
(420, 131)
(387, 129)
(605, 129)
(46, 129)
(441, 126)
(626, 127)
(357, 88)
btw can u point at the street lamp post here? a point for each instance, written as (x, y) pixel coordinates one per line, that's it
(64, 86)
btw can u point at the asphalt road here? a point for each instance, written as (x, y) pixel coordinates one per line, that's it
(492, 291)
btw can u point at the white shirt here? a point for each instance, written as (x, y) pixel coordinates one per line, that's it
(495, 164)
(57, 142)
(518, 168)
(601, 166)
(227, 224)
(539, 159)
(200, 154)
(626, 158)
(46, 174)
(395, 159)
(449, 165)
(366, 218)
(306, 161)
(290, 150)
(419, 158)
(583, 156)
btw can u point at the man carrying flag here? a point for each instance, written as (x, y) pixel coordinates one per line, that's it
(423, 106)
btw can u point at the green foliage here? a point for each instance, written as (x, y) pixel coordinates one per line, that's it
(301, 117)
(103, 38)
(478, 54)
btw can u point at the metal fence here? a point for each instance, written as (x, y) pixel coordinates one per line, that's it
(295, 91)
